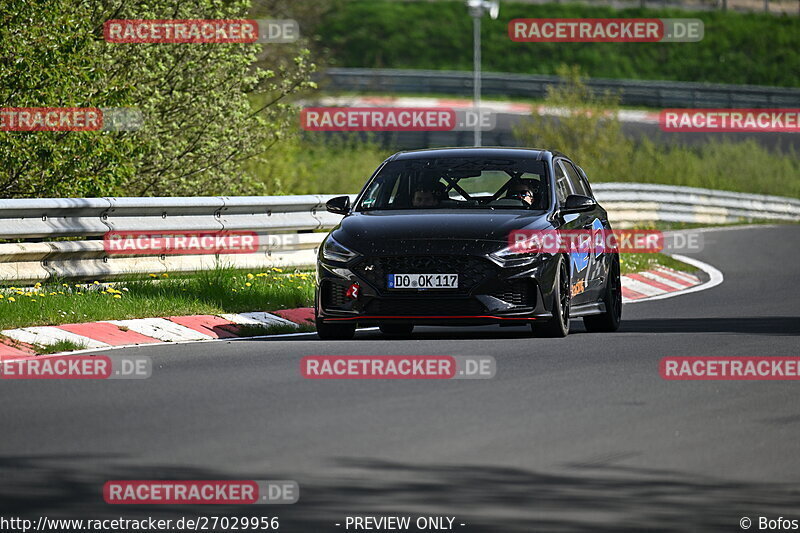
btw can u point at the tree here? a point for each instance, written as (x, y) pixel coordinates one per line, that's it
(207, 107)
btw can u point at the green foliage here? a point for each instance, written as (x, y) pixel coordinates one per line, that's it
(632, 263)
(587, 129)
(752, 48)
(200, 124)
(316, 164)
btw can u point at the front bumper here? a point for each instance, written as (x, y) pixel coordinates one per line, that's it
(487, 294)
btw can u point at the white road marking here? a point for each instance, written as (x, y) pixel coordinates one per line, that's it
(161, 329)
(661, 279)
(47, 335)
(259, 318)
(640, 287)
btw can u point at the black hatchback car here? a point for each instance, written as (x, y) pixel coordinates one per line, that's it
(426, 242)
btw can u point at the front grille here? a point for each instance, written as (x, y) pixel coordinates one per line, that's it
(426, 307)
(471, 270)
(516, 294)
(334, 295)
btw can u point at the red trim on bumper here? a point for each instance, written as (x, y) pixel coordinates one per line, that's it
(371, 317)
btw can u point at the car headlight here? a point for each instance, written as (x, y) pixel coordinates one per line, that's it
(335, 251)
(512, 256)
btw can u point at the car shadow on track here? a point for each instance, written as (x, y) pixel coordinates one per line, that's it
(436, 333)
(599, 495)
(762, 325)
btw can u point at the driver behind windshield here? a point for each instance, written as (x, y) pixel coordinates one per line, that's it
(429, 195)
(520, 190)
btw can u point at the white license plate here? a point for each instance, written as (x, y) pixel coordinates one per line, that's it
(423, 281)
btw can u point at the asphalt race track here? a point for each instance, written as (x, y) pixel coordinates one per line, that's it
(572, 434)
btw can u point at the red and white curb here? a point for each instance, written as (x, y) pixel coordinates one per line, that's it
(495, 106)
(655, 284)
(662, 282)
(115, 333)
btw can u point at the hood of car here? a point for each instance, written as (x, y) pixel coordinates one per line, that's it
(377, 231)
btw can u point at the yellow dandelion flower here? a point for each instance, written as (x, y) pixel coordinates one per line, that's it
(12, 299)
(250, 276)
(52, 294)
(37, 285)
(117, 296)
(1, 296)
(248, 284)
(96, 282)
(164, 275)
(153, 275)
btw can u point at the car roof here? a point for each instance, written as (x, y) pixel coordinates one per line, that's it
(517, 153)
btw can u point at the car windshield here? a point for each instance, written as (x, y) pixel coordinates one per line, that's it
(458, 183)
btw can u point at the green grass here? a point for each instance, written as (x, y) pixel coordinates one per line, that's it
(316, 164)
(222, 290)
(745, 166)
(632, 263)
(59, 346)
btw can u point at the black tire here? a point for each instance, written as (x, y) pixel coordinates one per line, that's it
(610, 320)
(558, 326)
(396, 330)
(335, 332)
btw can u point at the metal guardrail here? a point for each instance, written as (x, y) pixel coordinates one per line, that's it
(285, 225)
(633, 203)
(660, 94)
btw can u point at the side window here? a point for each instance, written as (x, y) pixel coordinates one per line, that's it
(371, 196)
(562, 185)
(585, 181)
(575, 180)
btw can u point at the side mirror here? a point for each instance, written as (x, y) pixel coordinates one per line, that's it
(339, 205)
(577, 203)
